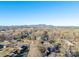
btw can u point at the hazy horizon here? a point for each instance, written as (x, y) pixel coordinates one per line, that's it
(43, 24)
(33, 13)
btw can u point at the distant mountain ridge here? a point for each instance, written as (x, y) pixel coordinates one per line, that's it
(34, 26)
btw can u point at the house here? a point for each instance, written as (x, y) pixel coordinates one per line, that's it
(1, 47)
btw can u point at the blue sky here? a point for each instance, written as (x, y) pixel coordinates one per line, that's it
(50, 13)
